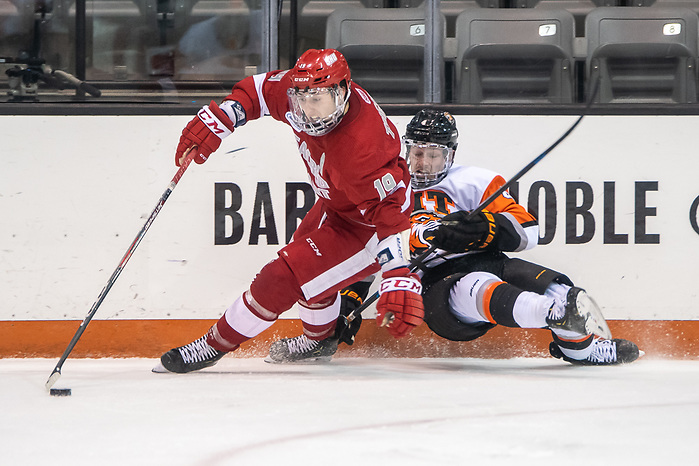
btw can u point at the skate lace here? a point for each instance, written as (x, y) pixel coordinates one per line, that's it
(196, 351)
(605, 351)
(301, 344)
(557, 311)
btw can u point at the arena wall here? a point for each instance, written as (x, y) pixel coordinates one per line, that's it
(617, 201)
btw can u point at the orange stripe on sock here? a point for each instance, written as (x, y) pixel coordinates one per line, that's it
(487, 295)
(574, 340)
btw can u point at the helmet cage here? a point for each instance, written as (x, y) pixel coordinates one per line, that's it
(420, 178)
(431, 130)
(317, 126)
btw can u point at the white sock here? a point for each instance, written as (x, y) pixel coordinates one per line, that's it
(559, 293)
(531, 309)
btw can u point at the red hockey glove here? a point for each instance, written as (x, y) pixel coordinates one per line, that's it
(458, 233)
(206, 130)
(400, 306)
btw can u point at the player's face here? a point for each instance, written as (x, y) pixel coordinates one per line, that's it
(427, 159)
(317, 111)
(318, 103)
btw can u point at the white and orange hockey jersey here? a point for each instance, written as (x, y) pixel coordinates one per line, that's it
(465, 188)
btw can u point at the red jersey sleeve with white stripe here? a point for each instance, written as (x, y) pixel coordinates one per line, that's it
(356, 168)
(254, 93)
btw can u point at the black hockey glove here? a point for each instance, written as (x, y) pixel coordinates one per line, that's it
(350, 299)
(457, 233)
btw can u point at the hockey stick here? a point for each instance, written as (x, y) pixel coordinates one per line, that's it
(187, 159)
(419, 261)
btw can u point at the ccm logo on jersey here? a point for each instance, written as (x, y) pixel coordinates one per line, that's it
(314, 246)
(213, 123)
(400, 284)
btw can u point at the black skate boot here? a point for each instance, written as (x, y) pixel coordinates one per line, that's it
(580, 314)
(604, 353)
(191, 357)
(302, 349)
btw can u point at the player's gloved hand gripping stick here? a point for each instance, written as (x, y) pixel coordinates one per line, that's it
(187, 159)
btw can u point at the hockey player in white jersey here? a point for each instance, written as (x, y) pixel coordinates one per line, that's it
(469, 284)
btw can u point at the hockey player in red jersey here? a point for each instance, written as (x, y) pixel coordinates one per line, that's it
(470, 285)
(359, 225)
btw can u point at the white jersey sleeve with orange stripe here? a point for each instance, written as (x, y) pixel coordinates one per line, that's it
(465, 188)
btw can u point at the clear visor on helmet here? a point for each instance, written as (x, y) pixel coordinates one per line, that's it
(428, 162)
(317, 111)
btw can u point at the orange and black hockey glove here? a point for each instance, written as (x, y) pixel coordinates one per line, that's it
(460, 233)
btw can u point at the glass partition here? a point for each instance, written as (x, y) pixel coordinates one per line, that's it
(460, 52)
(131, 49)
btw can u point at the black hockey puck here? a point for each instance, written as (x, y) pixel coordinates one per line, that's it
(60, 392)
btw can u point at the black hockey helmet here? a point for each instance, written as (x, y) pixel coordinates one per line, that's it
(432, 130)
(437, 127)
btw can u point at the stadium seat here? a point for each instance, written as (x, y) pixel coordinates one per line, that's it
(578, 8)
(643, 55)
(384, 48)
(312, 18)
(451, 9)
(515, 56)
(691, 4)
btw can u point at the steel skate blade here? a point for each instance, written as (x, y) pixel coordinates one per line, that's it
(595, 322)
(160, 369)
(316, 360)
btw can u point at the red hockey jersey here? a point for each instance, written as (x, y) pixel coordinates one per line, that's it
(355, 169)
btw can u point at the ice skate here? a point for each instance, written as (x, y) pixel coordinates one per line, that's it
(302, 349)
(604, 353)
(580, 314)
(191, 357)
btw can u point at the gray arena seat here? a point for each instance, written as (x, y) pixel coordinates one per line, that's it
(312, 18)
(384, 48)
(691, 4)
(514, 56)
(578, 8)
(643, 55)
(451, 9)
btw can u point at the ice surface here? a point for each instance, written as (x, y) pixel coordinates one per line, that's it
(352, 411)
